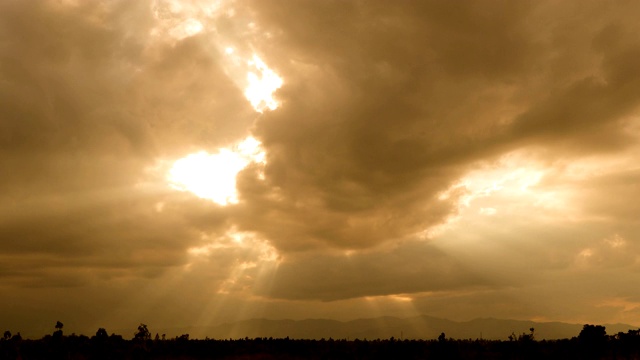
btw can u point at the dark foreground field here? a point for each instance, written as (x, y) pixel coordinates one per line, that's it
(591, 343)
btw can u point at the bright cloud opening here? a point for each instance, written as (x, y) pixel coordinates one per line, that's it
(262, 85)
(213, 176)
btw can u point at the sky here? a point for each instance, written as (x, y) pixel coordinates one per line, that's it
(188, 163)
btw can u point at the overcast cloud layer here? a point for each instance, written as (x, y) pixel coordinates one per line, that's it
(456, 159)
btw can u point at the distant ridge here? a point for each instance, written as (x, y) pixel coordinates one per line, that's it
(419, 327)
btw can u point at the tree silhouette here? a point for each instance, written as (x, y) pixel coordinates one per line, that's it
(102, 334)
(593, 340)
(58, 332)
(593, 334)
(143, 332)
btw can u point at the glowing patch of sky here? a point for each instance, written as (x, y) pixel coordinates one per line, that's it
(262, 85)
(213, 176)
(510, 185)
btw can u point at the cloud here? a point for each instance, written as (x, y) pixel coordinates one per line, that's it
(388, 107)
(411, 267)
(395, 122)
(90, 105)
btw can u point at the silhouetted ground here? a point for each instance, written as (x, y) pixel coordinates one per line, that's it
(592, 343)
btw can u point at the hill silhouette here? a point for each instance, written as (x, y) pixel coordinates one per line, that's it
(419, 327)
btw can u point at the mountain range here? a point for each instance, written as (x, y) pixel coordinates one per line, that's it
(419, 327)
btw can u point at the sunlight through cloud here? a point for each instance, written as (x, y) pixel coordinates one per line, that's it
(262, 85)
(509, 186)
(213, 176)
(253, 258)
(249, 72)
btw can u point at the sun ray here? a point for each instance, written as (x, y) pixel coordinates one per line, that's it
(254, 262)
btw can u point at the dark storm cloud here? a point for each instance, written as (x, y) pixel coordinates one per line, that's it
(386, 106)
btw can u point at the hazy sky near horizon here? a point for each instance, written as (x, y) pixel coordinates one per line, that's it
(183, 163)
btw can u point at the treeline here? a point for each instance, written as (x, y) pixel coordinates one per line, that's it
(591, 343)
